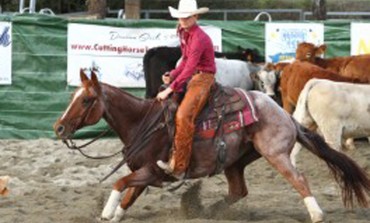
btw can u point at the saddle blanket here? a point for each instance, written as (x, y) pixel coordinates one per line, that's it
(232, 121)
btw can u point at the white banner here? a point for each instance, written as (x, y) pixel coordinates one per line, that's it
(5, 53)
(117, 53)
(360, 38)
(281, 39)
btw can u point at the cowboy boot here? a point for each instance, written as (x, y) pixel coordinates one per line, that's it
(169, 168)
(166, 166)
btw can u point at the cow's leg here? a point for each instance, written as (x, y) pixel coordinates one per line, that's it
(139, 180)
(288, 106)
(332, 134)
(297, 147)
(349, 144)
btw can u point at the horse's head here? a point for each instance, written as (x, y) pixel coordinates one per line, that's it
(86, 107)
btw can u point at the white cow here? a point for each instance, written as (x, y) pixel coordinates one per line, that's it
(234, 73)
(338, 110)
(267, 77)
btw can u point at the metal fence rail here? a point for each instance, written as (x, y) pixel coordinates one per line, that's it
(225, 14)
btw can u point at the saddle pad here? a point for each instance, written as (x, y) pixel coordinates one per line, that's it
(232, 122)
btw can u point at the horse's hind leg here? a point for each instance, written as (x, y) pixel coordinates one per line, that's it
(235, 177)
(282, 163)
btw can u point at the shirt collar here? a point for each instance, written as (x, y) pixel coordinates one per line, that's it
(191, 29)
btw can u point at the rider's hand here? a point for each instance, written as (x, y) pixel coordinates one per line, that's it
(164, 94)
(166, 78)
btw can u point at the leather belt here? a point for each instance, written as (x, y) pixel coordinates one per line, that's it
(202, 72)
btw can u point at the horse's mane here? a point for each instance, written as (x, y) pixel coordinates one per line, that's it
(130, 99)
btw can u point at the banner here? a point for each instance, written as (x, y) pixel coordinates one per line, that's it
(117, 53)
(5, 53)
(360, 38)
(281, 39)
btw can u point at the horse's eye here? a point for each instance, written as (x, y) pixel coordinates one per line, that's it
(86, 101)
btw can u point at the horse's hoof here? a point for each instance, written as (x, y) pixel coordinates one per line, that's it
(101, 219)
(318, 219)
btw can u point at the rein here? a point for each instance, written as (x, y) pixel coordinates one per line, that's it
(140, 140)
(71, 145)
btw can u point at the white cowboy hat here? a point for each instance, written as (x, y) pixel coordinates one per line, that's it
(186, 9)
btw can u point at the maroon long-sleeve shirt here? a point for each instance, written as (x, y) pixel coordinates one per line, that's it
(197, 55)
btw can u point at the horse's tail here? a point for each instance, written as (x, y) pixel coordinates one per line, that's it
(353, 180)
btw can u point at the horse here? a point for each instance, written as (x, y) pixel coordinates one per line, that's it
(141, 125)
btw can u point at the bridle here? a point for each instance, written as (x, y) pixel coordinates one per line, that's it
(72, 145)
(141, 137)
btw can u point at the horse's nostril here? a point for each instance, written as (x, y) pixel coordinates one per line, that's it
(60, 129)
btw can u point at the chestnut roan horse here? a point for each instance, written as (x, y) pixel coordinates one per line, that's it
(272, 137)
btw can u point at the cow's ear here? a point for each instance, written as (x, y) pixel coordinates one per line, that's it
(83, 77)
(270, 66)
(320, 50)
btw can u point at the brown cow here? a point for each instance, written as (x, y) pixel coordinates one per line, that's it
(296, 75)
(349, 66)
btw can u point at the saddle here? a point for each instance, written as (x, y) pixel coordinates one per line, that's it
(227, 110)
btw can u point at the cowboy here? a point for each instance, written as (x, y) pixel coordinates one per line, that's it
(197, 68)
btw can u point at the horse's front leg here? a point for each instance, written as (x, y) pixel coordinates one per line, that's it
(114, 212)
(136, 182)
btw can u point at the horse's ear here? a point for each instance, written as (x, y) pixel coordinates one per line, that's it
(95, 80)
(83, 76)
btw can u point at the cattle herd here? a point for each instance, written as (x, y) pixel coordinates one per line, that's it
(329, 96)
(326, 95)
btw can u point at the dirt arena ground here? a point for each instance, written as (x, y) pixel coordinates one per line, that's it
(50, 183)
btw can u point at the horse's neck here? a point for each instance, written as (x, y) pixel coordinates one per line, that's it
(123, 111)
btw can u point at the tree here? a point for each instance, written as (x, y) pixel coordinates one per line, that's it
(97, 8)
(132, 9)
(319, 9)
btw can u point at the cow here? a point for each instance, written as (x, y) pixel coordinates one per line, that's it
(349, 66)
(339, 111)
(294, 76)
(267, 80)
(235, 73)
(159, 60)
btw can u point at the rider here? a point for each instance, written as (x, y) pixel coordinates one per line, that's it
(198, 67)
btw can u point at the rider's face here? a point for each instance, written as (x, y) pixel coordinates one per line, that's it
(188, 22)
